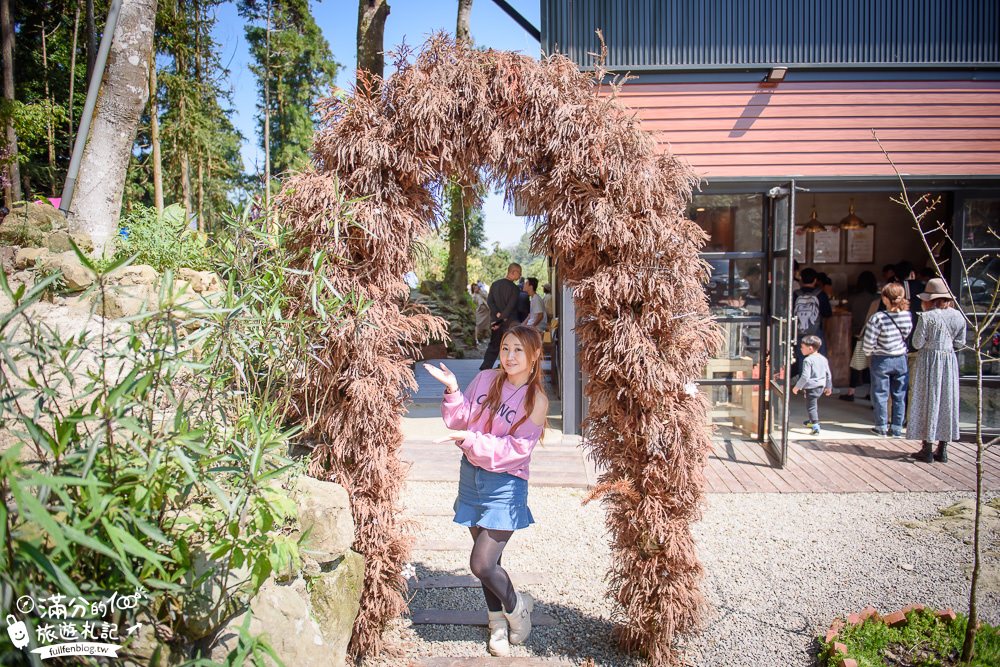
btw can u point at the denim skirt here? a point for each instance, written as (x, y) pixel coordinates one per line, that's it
(496, 500)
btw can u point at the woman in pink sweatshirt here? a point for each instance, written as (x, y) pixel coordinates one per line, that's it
(498, 420)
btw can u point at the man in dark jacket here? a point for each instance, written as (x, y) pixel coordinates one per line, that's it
(502, 301)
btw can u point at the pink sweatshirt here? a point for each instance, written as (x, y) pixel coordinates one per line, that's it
(498, 450)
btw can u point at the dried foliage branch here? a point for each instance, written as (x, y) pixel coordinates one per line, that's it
(616, 227)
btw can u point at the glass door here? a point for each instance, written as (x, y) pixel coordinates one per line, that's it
(781, 325)
(977, 237)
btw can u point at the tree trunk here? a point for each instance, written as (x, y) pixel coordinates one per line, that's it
(462, 33)
(154, 136)
(969, 644)
(267, 111)
(371, 27)
(91, 39)
(462, 201)
(72, 72)
(182, 147)
(201, 195)
(97, 200)
(11, 192)
(50, 130)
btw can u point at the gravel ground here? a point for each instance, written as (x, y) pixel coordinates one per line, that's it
(779, 568)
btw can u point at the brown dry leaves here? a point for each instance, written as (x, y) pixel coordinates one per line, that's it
(614, 223)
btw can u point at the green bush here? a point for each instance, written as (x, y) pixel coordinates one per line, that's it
(154, 455)
(924, 641)
(164, 242)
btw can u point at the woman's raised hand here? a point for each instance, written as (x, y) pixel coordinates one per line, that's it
(444, 376)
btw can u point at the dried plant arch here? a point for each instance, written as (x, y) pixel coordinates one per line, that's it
(615, 225)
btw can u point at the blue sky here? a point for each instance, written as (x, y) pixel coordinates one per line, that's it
(409, 20)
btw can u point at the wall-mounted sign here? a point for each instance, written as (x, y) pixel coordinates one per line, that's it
(861, 245)
(826, 247)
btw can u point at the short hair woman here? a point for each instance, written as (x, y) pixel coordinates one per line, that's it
(501, 417)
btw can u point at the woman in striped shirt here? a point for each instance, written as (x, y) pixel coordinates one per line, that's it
(885, 341)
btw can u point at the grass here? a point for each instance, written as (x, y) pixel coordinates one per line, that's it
(924, 641)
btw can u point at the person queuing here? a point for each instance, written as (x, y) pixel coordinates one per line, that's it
(934, 399)
(810, 305)
(860, 302)
(885, 342)
(537, 316)
(502, 300)
(482, 313)
(499, 419)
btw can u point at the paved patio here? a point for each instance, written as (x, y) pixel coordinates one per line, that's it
(828, 465)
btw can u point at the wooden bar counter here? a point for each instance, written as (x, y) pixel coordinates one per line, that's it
(839, 346)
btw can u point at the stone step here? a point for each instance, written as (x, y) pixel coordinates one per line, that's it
(469, 581)
(478, 661)
(463, 617)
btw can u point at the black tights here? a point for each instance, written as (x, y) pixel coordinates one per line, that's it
(487, 549)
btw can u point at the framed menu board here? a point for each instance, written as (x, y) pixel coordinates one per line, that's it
(826, 247)
(861, 245)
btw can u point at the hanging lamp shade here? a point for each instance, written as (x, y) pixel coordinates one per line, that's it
(852, 221)
(814, 225)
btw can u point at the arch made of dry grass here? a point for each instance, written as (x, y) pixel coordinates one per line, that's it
(615, 224)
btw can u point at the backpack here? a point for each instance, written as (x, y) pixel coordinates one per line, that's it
(806, 312)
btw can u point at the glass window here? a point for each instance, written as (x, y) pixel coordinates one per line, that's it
(734, 223)
(967, 409)
(980, 224)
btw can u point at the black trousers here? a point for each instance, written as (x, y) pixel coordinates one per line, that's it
(493, 349)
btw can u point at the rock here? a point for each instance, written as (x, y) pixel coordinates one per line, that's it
(136, 274)
(13, 232)
(29, 222)
(59, 241)
(324, 511)
(125, 301)
(201, 281)
(281, 615)
(214, 599)
(336, 599)
(25, 258)
(26, 278)
(75, 274)
(7, 255)
(41, 214)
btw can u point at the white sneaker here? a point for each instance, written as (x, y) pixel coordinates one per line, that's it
(499, 646)
(520, 619)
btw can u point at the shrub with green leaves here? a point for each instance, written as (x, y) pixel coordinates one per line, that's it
(925, 641)
(153, 454)
(163, 241)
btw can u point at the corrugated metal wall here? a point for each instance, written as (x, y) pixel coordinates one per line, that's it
(824, 128)
(651, 34)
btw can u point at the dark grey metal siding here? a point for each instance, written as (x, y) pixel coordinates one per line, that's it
(663, 34)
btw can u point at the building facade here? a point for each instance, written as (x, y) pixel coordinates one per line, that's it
(805, 118)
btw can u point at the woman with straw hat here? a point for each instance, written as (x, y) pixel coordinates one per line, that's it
(939, 332)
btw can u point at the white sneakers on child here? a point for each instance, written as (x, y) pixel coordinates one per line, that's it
(499, 645)
(520, 619)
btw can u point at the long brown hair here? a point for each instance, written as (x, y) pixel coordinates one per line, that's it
(896, 296)
(532, 342)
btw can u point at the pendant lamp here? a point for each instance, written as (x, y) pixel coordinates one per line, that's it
(814, 225)
(852, 221)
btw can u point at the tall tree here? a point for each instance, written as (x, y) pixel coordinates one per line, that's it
(97, 200)
(463, 197)
(12, 192)
(294, 67)
(371, 29)
(154, 136)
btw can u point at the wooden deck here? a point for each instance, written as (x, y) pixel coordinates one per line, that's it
(835, 465)
(737, 466)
